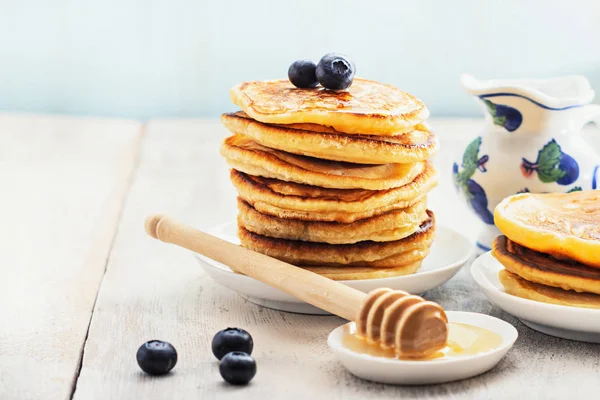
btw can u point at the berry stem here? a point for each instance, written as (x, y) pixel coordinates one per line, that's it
(527, 167)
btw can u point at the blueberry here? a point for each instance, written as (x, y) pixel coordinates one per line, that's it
(571, 169)
(335, 71)
(302, 74)
(237, 368)
(156, 357)
(231, 339)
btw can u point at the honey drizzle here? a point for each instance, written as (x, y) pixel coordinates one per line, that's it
(463, 340)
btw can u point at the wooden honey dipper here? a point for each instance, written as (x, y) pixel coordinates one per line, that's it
(411, 325)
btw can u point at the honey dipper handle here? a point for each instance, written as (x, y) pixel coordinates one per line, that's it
(314, 289)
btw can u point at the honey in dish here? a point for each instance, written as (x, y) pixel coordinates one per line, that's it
(463, 340)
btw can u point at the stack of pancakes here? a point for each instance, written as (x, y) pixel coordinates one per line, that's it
(333, 181)
(551, 251)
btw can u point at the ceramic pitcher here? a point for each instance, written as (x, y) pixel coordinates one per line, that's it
(531, 143)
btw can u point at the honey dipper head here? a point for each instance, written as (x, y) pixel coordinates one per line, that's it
(411, 325)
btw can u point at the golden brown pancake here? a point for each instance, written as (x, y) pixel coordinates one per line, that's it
(544, 269)
(520, 287)
(363, 254)
(411, 147)
(366, 107)
(564, 225)
(246, 155)
(312, 203)
(355, 273)
(394, 225)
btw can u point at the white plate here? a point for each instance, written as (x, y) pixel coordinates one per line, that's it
(573, 323)
(406, 372)
(449, 252)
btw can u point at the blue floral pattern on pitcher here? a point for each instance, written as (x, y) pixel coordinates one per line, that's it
(573, 189)
(508, 117)
(464, 183)
(552, 165)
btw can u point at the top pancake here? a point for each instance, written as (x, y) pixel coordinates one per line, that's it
(366, 107)
(323, 142)
(563, 225)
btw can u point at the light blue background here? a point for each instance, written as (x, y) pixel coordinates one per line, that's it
(153, 58)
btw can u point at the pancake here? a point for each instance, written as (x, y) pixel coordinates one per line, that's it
(402, 259)
(363, 254)
(333, 216)
(366, 107)
(544, 269)
(246, 155)
(348, 274)
(394, 225)
(312, 203)
(410, 147)
(564, 225)
(517, 286)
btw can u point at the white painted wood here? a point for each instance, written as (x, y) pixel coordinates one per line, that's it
(334, 297)
(152, 290)
(62, 183)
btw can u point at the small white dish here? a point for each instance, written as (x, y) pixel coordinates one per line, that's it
(574, 323)
(407, 372)
(449, 252)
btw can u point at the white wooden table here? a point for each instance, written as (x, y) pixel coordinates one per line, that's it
(82, 286)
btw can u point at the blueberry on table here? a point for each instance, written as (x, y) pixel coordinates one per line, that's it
(302, 74)
(231, 339)
(237, 368)
(335, 71)
(156, 357)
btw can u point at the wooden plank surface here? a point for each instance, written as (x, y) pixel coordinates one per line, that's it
(152, 290)
(155, 291)
(63, 181)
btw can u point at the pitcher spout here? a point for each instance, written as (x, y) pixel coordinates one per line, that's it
(526, 104)
(553, 93)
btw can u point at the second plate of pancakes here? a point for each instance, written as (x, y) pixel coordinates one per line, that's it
(449, 252)
(573, 323)
(545, 267)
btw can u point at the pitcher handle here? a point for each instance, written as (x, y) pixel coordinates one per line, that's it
(592, 114)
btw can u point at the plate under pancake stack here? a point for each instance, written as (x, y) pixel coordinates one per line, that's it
(551, 251)
(333, 181)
